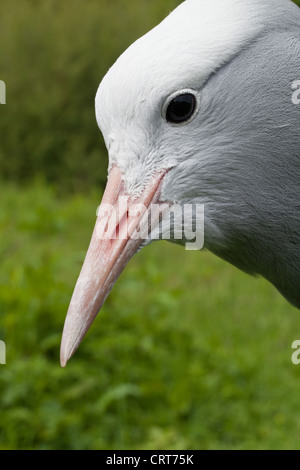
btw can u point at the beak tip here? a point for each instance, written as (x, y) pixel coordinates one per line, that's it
(66, 351)
(63, 358)
(69, 344)
(63, 361)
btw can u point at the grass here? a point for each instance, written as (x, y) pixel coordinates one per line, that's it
(52, 70)
(187, 352)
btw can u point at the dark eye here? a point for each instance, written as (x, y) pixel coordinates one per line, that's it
(181, 108)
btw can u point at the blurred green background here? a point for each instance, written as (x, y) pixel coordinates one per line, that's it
(189, 358)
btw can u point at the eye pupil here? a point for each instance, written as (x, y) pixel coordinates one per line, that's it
(181, 108)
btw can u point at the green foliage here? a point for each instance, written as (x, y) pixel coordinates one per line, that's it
(196, 357)
(53, 57)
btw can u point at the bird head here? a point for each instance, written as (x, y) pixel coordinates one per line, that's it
(198, 112)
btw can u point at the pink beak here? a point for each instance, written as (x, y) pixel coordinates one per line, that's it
(115, 239)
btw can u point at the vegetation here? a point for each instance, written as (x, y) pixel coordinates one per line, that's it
(54, 57)
(179, 358)
(213, 345)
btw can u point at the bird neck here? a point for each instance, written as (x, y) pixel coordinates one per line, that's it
(268, 249)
